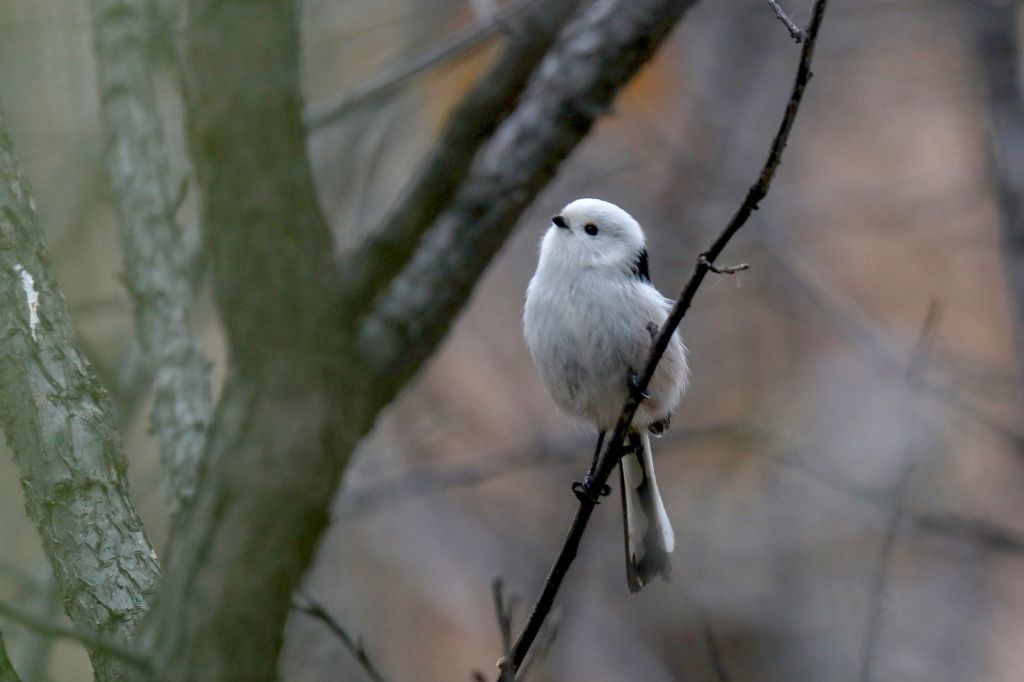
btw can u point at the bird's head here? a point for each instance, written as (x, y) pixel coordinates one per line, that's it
(592, 233)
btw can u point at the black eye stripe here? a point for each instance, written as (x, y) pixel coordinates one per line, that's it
(590, 228)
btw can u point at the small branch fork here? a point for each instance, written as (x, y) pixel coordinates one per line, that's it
(314, 609)
(702, 260)
(510, 664)
(794, 30)
(504, 609)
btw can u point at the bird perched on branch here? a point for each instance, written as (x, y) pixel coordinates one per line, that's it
(591, 317)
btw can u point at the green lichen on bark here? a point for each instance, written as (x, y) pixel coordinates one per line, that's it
(7, 673)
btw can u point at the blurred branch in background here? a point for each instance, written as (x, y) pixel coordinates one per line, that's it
(609, 459)
(596, 54)
(874, 345)
(715, 656)
(155, 258)
(504, 612)
(387, 491)
(92, 641)
(880, 576)
(460, 43)
(982, 533)
(391, 246)
(38, 596)
(59, 424)
(997, 42)
(7, 673)
(305, 603)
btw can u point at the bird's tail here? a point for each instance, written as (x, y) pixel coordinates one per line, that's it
(649, 537)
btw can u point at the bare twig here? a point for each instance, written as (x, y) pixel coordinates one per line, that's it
(723, 269)
(90, 639)
(610, 457)
(504, 609)
(453, 46)
(308, 605)
(794, 30)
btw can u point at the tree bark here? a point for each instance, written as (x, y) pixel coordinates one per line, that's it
(155, 259)
(294, 407)
(58, 423)
(304, 386)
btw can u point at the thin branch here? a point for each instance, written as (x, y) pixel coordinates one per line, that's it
(978, 531)
(610, 456)
(155, 258)
(504, 610)
(306, 604)
(7, 673)
(880, 576)
(458, 44)
(391, 245)
(91, 640)
(794, 30)
(724, 269)
(60, 426)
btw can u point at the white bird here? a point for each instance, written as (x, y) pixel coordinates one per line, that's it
(590, 319)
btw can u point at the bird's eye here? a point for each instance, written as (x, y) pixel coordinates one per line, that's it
(590, 228)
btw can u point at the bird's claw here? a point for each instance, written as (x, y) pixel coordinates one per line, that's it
(583, 490)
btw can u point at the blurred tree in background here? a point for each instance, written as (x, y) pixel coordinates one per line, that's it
(260, 334)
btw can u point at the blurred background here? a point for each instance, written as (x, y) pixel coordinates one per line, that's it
(844, 475)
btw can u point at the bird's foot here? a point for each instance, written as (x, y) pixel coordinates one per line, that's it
(583, 490)
(635, 390)
(661, 426)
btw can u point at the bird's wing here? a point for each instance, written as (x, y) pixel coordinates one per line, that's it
(640, 267)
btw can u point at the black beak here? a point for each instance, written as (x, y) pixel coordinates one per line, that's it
(560, 222)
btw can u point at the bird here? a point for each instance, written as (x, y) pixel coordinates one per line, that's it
(590, 319)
